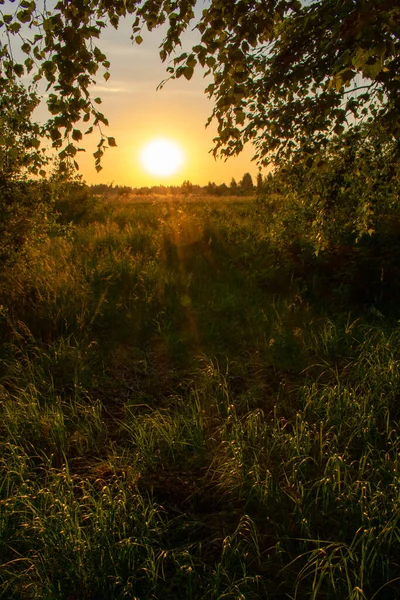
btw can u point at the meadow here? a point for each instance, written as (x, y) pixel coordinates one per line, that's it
(195, 405)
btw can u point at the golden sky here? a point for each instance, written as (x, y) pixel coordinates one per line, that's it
(138, 113)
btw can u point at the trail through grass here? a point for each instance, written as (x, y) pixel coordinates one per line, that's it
(185, 415)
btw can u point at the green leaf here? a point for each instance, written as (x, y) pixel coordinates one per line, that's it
(71, 150)
(76, 135)
(55, 134)
(372, 70)
(188, 72)
(19, 70)
(14, 27)
(24, 16)
(29, 64)
(338, 129)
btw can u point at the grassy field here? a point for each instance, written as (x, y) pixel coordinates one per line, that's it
(195, 406)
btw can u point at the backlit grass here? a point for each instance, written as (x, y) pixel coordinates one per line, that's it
(185, 415)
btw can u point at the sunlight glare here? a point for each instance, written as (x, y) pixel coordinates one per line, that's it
(162, 157)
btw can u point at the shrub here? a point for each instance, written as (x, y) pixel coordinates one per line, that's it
(25, 216)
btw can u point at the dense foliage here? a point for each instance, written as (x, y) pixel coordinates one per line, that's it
(25, 216)
(349, 189)
(19, 135)
(286, 75)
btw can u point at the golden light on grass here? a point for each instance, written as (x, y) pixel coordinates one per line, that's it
(162, 157)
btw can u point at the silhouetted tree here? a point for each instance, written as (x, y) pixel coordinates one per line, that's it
(247, 183)
(187, 187)
(211, 188)
(223, 189)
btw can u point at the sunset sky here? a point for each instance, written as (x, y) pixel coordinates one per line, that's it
(138, 113)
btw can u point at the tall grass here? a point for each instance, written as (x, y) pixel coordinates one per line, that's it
(182, 417)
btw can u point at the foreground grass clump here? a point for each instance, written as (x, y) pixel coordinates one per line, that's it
(184, 415)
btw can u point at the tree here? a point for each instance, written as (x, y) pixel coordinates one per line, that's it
(233, 185)
(211, 188)
(351, 191)
(187, 187)
(247, 183)
(222, 190)
(19, 136)
(25, 205)
(286, 75)
(289, 75)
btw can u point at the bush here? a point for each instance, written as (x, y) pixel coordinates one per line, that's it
(25, 216)
(350, 190)
(73, 200)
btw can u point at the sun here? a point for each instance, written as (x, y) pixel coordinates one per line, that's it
(162, 157)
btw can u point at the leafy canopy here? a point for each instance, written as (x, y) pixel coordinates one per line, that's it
(19, 135)
(285, 75)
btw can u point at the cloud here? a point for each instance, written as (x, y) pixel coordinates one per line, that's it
(107, 89)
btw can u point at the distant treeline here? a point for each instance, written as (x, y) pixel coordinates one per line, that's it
(244, 187)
